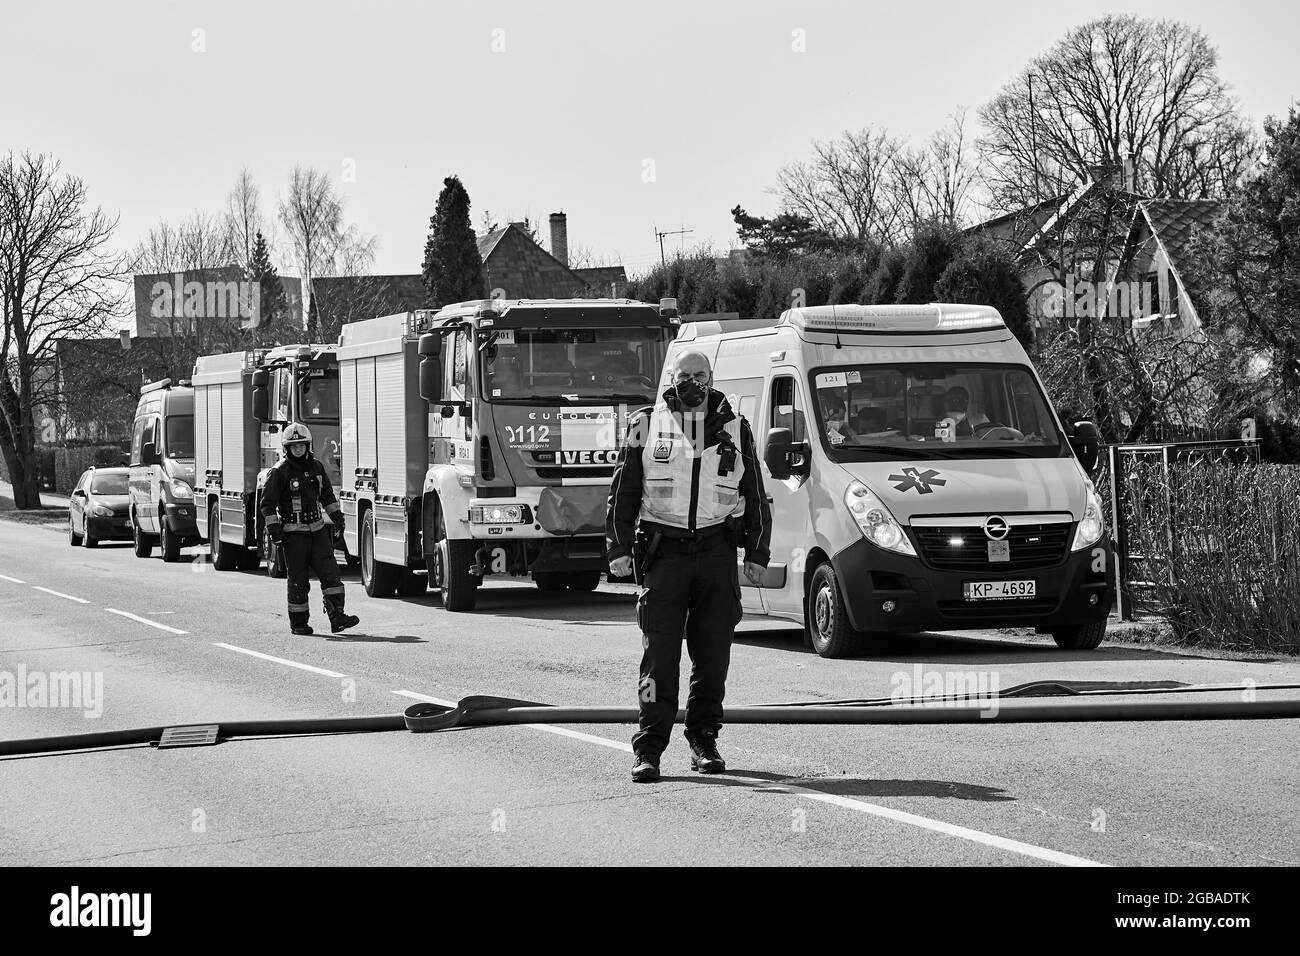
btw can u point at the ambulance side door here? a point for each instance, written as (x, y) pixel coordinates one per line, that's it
(785, 406)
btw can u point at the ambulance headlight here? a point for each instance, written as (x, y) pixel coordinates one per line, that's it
(874, 520)
(1092, 526)
(499, 514)
(181, 489)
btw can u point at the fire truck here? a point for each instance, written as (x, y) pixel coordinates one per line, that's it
(242, 400)
(480, 439)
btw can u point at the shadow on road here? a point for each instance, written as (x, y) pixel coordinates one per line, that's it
(362, 638)
(958, 649)
(762, 782)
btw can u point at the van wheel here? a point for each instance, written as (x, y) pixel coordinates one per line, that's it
(274, 556)
(170, 542)
(143, 542)
(584, 580)
(74, 539)
(449, 565)
(551, 580)
(224, 557)
(86, 540)
(1082, 638)
(379, 579)
(827, 621)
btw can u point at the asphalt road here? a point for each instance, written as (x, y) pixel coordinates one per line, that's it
(203, 646)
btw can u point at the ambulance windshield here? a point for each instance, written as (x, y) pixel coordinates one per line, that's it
(912, 410)
(574, 366)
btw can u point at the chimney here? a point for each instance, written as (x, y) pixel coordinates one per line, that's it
(560, 236)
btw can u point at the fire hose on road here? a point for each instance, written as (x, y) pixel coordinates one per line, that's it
(1014, 705)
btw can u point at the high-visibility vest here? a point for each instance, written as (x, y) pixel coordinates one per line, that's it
(667, 459)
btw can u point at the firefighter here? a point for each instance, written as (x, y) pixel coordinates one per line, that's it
(688, 479)
(295, 490)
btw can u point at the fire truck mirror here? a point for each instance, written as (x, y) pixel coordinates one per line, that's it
(430, 377)
(259, 403)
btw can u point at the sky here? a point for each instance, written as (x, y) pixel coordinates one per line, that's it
(628, 117)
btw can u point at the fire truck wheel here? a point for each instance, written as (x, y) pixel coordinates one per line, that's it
(584, 580)
(223, 555)
(551, 580)
(379, 579)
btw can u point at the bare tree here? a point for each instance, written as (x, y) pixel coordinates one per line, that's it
(244, 215)
(937, 182)
(847, 188)
(56, 280)
(1115, 89)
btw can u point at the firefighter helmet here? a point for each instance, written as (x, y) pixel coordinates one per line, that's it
(294, 434)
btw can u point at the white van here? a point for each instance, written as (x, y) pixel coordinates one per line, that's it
(919, 478)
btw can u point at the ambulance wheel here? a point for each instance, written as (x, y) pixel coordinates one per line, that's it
(584, 580)
(413, 585)
(142, 542)
(551, 580)
(827, 621)
(170, 543)
(1082, 638)
(379, 579)
(223, 555)
(274, 556)
(74, 539)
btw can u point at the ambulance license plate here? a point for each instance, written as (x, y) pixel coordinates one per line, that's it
(999, 590)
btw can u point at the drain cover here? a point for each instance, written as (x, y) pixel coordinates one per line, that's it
(201, 735)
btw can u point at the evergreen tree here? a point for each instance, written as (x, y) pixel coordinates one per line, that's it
(453, 268)
(983, 275)
(272, 303)
(933, 247)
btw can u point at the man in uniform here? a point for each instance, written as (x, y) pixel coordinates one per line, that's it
(292, 498)
(689, 475)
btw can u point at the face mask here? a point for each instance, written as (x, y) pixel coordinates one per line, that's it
(691, 393)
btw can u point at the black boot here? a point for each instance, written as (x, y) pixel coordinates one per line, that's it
(298, 622)
(301, 629)
(704, 752)
(339, 621)
(645, 769)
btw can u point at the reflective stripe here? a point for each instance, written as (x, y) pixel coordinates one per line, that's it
(332, 508)
(337, 590)
(272, 519)
(295, 526)
(299, 607)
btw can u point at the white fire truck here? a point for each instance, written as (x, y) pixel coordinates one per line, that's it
(480, 439)
(242, 400)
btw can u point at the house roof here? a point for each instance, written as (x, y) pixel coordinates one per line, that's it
(488, 242)
(1174, 221)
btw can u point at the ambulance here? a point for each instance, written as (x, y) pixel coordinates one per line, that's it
(919, 478)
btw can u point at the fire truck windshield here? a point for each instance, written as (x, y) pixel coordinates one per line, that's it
(583, 366)
(320, 396)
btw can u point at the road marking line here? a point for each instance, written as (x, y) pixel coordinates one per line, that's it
(279, 660)
(847, 803)
(145, 620)
(69, 597)
(14, 580)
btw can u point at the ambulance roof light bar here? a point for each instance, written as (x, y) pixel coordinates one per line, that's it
(884, 319)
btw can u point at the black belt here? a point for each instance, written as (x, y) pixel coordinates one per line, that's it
(301, 517)
(676, 539)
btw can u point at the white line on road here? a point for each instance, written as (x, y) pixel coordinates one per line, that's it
(279, 660)
(145, 620)
(14, 580)
(60, 594)
(848, 803)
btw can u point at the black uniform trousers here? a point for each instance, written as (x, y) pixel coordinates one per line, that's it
(305, 552)
(692, 589)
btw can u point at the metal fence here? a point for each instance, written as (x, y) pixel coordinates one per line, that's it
(1123, 479)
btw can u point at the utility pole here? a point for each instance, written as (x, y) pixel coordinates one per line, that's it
(1033, 138)
(660, 237)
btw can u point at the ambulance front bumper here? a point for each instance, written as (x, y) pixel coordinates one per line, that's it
(887, 591)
